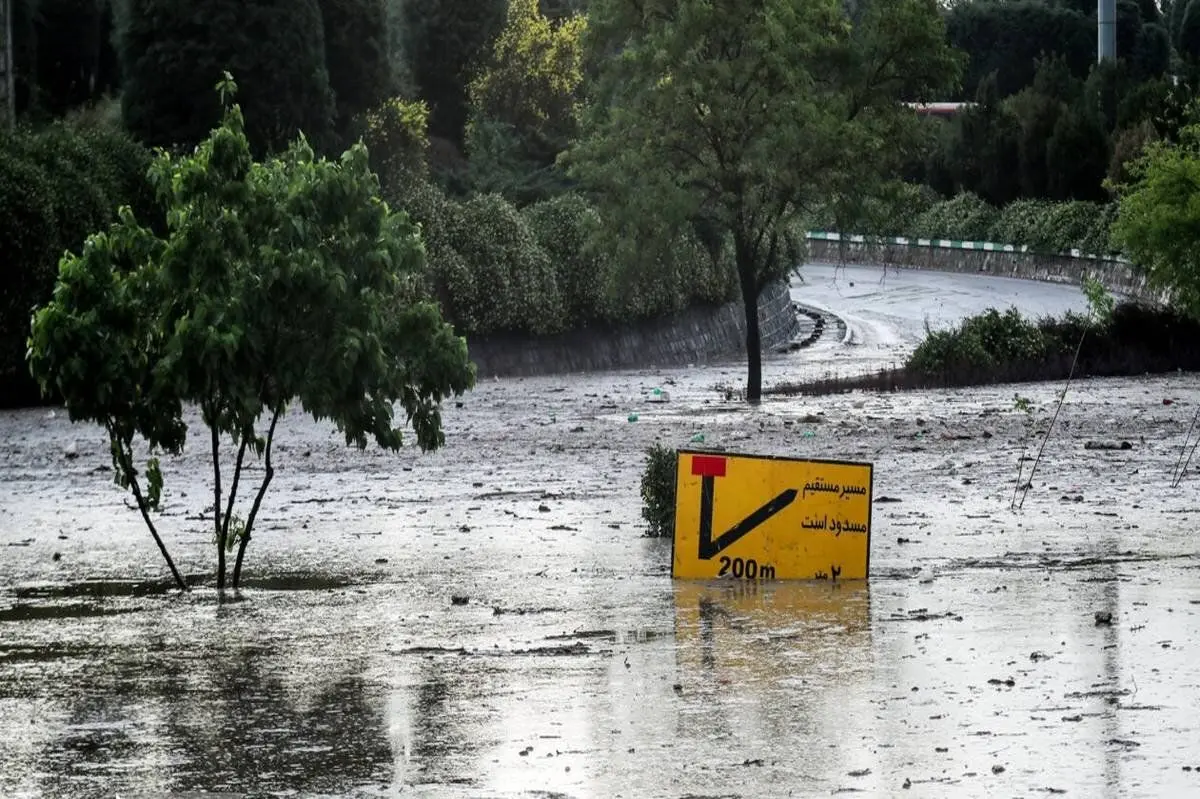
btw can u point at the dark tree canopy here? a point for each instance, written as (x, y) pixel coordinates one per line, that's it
(445, 41)
(172, 54)
(1008, 38)
(357, 55)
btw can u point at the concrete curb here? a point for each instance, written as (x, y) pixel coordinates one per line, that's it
(1119, 276)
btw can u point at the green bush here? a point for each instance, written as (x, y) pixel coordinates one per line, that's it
(1041, 225)
(512, 284)
(57, 187)
(563, 227)
(544, 270)
(985, 342)
(658, 490)
(1017, 221)
(1098, 239)
(1065, 226)
(965, 217)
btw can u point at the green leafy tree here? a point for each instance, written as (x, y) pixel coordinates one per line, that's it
(277, 282)
(748, 115)
(532, 80)
(397, 135)
(1158, 223)
(171, 54)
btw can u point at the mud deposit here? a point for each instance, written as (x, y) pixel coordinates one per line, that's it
(973, 664)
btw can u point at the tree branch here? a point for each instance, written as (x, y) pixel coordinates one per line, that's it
(126, 463)
(262, 490)
(216, 460)
(237, 476)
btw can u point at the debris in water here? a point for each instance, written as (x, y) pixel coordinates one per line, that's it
(1104, 618)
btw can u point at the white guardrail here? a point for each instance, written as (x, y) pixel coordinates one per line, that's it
(952, 244)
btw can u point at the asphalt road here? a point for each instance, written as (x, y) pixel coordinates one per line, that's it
(888, 311)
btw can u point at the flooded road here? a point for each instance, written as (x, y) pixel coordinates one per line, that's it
(490, 620)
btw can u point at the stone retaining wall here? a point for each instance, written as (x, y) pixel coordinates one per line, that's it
(698, 335)
(1119, 277)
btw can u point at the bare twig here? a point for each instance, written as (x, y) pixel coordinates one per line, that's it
(1062, 398)
(1180, 466)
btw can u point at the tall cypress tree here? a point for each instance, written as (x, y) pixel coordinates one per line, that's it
(445, 41)
(357, 55)
(174, 51)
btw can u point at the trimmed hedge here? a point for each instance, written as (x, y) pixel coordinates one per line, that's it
(1039, 224)
(495, 269)
(549, 267)
(57, 186)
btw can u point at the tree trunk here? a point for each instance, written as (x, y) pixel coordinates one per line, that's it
(262, 490)
(125, 463)
(747, 269)
(216, 459)
(753, 347)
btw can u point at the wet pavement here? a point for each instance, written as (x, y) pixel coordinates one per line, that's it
(974, 663)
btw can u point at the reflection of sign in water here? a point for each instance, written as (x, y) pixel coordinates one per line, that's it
(761, 518)
(748, 632)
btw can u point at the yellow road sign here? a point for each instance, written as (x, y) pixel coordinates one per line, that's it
(755, 517)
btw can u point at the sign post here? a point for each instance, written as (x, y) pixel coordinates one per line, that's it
(753, 517)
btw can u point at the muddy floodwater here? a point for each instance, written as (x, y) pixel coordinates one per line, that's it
(491, 621)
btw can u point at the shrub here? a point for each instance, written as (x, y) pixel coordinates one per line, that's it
(965, 217)
(1065, 226)
(658, 490)
(563, 227)
(1017, 221)
(1042, 225)
(57, 187)
(982, 343)
(1098, 239)
(512, 285)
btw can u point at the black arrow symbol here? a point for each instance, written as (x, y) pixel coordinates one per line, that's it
(710, 548)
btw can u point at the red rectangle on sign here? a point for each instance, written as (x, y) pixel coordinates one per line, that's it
(708, 466)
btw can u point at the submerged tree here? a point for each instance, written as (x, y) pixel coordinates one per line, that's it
(743, 116)
(277, 282)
